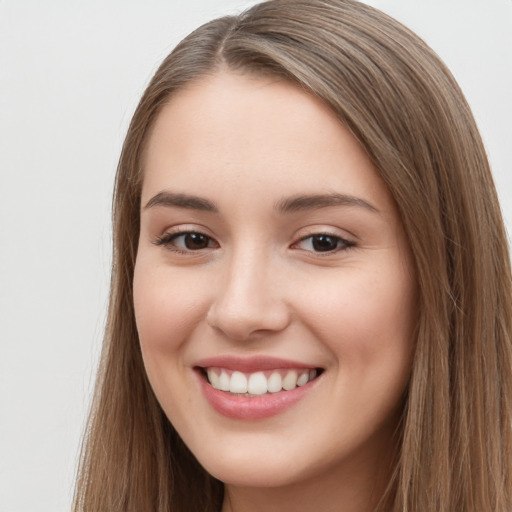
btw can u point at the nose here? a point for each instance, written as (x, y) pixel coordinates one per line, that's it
(249, 299)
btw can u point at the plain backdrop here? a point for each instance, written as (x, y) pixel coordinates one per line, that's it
(71, 73)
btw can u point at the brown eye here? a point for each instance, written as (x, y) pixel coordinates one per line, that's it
(186, 241)
(195, 241)
(323, 242)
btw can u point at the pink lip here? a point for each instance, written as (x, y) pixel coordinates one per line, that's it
(251, 408)
(250, 364)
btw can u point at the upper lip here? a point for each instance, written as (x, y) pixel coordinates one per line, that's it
(251, 364)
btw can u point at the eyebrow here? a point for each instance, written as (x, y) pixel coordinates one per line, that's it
(285, 205)
(181, 201)
(317, 201)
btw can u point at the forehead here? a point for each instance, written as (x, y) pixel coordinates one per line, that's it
(256, 135)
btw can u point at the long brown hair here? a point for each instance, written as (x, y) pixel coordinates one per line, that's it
(406, 110)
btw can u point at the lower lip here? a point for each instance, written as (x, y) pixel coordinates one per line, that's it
(252, 408)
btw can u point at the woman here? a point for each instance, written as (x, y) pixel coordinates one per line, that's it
(311, 293)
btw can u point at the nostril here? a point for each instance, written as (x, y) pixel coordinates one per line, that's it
(241, 312)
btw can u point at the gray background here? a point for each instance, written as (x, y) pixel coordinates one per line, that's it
(71, 73)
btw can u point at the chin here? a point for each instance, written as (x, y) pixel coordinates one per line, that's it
(252, 472)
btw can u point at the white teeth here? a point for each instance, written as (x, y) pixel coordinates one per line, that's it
(213, 378)
(223, 381)
(275, 382)
(290, 381)
(258, 383)
(303, 379)
(238, 383)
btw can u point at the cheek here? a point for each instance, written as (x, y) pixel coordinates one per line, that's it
(368, 324)
(367, 319)
(167, 307)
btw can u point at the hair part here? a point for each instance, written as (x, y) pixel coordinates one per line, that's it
(404, 107)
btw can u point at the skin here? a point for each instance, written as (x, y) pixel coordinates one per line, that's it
(260, 287)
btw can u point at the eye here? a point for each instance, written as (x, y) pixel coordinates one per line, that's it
(189, 241)
(323, 242)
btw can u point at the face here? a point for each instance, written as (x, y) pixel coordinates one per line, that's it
(274, 290)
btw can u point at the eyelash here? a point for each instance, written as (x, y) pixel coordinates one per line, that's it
(342, 244)
(167, 240)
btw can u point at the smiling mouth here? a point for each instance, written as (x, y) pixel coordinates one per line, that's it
(258, 383)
